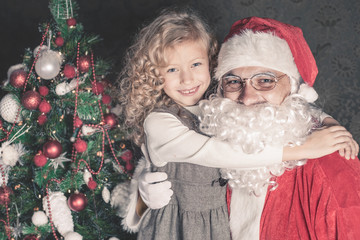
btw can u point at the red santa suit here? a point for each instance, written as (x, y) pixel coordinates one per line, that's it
(320, 200)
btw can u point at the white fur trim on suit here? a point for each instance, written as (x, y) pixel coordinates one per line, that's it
(256, 49)
(245, 214)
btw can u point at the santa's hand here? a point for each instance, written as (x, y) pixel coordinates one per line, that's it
(154, 190)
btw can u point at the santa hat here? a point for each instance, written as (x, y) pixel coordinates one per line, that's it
(265, 42)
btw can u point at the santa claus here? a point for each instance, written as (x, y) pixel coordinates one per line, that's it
(267, 67)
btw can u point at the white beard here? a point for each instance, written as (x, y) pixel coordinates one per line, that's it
(254, 127)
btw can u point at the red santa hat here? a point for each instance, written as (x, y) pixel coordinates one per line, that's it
(265, 42)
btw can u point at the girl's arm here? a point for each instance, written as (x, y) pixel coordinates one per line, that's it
(168, 140)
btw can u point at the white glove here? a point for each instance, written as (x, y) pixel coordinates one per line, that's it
(154, 190)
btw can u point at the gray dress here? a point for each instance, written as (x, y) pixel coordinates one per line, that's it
(197, 209)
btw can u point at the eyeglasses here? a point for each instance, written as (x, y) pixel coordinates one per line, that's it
(259, 81)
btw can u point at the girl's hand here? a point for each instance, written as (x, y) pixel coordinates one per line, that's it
(352, 149)
(328, 140)
(323, 142)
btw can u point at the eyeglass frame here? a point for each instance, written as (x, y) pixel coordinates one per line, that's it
(243, 81)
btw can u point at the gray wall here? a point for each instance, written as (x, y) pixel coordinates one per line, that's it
(331, 27)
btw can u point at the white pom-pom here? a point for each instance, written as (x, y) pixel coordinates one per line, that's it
(105, 194)
(120, 197)
(87, 175)
(11, 153)
(308, 93)
(39, 218)
(114, 238)
(73, 236)
(9, 107)
(61, 214)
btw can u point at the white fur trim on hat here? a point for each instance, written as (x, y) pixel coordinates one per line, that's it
(256, 49)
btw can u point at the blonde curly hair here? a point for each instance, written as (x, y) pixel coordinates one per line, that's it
(141, 86)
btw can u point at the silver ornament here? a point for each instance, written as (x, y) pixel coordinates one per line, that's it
(48, 64)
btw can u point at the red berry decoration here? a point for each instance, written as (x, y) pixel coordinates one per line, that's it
(80, 145)
(77, 202)
(30, 237)
(42, 119)
(31, 100)
(59, 41)
(40, 160)
(5, 193)
(52, 149)
(69, 71)
(43, 90)
(110, 120)
(84, 64)
(71, 22)
(92, 184)
(44, 106)
(18, 78)
(106, 99)
(78, 123)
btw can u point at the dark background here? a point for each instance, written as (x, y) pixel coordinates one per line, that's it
(331, 27)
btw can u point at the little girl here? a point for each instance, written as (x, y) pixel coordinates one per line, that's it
(166, 74)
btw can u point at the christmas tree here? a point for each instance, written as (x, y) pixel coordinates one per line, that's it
(64, 156)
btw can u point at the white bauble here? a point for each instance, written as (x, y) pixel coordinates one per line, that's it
(114, 238)
(48, 64)
(9, 108)
(39, 218)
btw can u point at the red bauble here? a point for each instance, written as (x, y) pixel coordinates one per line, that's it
(106, 99)
(77, 122)
(97, 88)
(71, 22)
(111, 120)
(18, 78)
(43, 90)
(77, 202)
(69, 71)
(31, 100)
(30, 237)
(92, 184)
(44, 107)
(80, 145)
(5, 195)
(84, 64)
(127, 155)
(42, 119)
(40, 160)
(129, 166)
(52, 149)
(59, 41)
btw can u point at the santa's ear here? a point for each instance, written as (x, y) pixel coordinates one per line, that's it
(308, 93)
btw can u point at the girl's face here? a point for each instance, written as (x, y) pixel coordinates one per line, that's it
(187, 74)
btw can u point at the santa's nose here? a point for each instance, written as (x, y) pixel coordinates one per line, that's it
(249, 95)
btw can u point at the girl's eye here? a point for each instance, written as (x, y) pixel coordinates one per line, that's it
(170, 70)
(196, 64)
